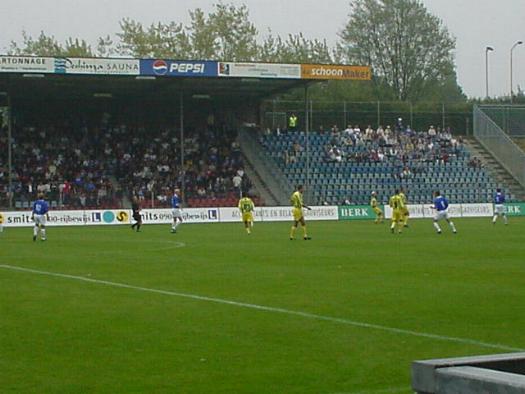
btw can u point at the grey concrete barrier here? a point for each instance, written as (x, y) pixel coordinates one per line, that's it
(434, 376)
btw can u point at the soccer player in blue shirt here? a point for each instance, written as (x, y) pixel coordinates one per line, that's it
(176, 210)
(39, 216)
(441, 207)
(499, 207)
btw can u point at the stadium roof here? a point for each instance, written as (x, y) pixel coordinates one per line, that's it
(88, 87)
(24, 77)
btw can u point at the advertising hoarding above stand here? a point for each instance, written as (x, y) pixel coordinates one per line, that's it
(27, 64)
(259, 70)
(181, 68)
(178, 68)
(85, 66)
(341, 72)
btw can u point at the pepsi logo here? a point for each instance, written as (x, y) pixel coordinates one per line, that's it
(160, 67)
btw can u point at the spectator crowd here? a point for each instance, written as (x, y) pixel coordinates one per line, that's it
(99, 166)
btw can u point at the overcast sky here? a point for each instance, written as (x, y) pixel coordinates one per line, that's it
(474, 23)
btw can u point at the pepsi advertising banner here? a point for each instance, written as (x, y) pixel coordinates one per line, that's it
(178, 68)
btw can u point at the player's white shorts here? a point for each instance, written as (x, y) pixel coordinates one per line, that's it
(40, 220)
(177, 213)
(499, 209)
(441, 215)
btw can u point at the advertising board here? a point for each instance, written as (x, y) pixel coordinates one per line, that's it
(176, 68)
(356, 212)
(515, 209)
(189, 215)
(327, 71)
(67, 218)
(477, 210)
(259, 70)
(90, 66)
(27, 64)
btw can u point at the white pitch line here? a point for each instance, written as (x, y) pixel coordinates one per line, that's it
(306, 315)
(390, 390)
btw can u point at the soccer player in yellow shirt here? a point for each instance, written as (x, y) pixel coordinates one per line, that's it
(404, 211)
(396, 203)
(375, 207)
(246, 206)
(297, 210)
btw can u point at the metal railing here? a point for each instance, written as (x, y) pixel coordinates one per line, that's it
(325, 114)
(499, 144)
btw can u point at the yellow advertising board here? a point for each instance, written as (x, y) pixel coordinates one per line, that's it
(328, 71)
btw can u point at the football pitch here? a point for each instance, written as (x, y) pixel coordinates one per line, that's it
(213, 310)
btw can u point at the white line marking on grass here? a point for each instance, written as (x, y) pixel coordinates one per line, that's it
(379, 391)
(306, 315)
(385, 391)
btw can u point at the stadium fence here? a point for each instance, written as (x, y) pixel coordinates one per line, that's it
(498, 143)
(325, 114)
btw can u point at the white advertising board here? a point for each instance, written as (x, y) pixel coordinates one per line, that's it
(68, 218)
(74, 65)
(218, 215)
(418, 211)
(477, 210)
(259, 70)
(277, 214)
(27, 64)
(189, 215)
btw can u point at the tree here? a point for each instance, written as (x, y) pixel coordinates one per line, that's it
(158, 40)
(45, 45)
(296, 49)
(409, 49)
(224, 34)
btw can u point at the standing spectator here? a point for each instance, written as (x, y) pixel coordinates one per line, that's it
(292, 122)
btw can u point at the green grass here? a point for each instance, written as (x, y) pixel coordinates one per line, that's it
(63, 335)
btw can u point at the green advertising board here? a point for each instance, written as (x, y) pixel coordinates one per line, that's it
(356, 212)
(515, 208)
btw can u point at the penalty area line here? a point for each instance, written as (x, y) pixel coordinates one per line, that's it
(307, 315)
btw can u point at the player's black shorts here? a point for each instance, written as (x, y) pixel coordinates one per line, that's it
(137, 217)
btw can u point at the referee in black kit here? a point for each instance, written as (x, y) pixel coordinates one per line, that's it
(135, 206)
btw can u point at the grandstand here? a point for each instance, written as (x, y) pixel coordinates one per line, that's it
(418, 162)
(91, 141)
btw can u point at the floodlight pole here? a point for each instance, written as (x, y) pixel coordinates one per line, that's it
(183, 171)
(511, 50)
(487, 50)
(10, 150)
(307, 148)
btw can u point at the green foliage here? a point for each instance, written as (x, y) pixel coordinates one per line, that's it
(45, 45)
(410, 50)
(224, 34)
(158, 40)
(295, 49)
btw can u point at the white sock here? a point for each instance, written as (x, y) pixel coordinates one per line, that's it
(452, 226)
(35, 231)
(176, 225)
(505, 220)
(43, 232)
(436, 226)
(494, 218)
